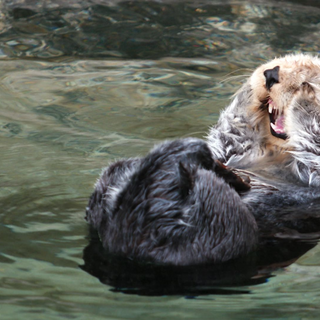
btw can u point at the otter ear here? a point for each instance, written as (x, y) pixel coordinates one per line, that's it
(185, 180)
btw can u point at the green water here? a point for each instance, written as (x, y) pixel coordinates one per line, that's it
(85, 83)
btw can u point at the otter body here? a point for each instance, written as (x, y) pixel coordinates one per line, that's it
(180, 205)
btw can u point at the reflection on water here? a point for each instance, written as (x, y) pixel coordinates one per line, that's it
(84, 83)
(129, 276)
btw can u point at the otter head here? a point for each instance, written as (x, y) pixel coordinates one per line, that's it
(278, 87)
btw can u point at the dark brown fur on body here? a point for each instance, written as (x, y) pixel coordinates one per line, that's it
(174, 208)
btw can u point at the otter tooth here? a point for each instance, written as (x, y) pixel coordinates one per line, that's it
(273, 126)
(270, 108)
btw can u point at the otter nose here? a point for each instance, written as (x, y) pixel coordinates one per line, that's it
(272, 76)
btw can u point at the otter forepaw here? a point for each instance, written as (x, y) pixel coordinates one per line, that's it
(234, 180)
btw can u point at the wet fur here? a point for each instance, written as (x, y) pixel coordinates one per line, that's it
(179, 205)
(242, 137)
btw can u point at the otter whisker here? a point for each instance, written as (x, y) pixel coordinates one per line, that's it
(240, 69)
(300, 107)
(190, 134)
(235, 76)
(228, 79)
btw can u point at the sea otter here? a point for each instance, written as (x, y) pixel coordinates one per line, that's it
(180, 205)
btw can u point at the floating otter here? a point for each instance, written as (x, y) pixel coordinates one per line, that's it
(180, 205)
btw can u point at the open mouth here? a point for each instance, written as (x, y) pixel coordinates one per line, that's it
(276, 121)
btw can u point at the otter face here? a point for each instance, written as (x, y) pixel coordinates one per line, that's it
(277, 87)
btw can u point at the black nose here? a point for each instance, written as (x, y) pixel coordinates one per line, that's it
(272, 76)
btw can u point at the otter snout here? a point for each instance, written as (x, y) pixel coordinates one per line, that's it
(272, 77)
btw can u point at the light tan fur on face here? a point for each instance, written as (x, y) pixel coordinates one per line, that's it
(243, 138)
(297, 74)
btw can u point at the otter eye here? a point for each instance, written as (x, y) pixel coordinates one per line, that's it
(307, 87)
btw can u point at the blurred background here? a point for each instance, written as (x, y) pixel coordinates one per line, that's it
(83, 83)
